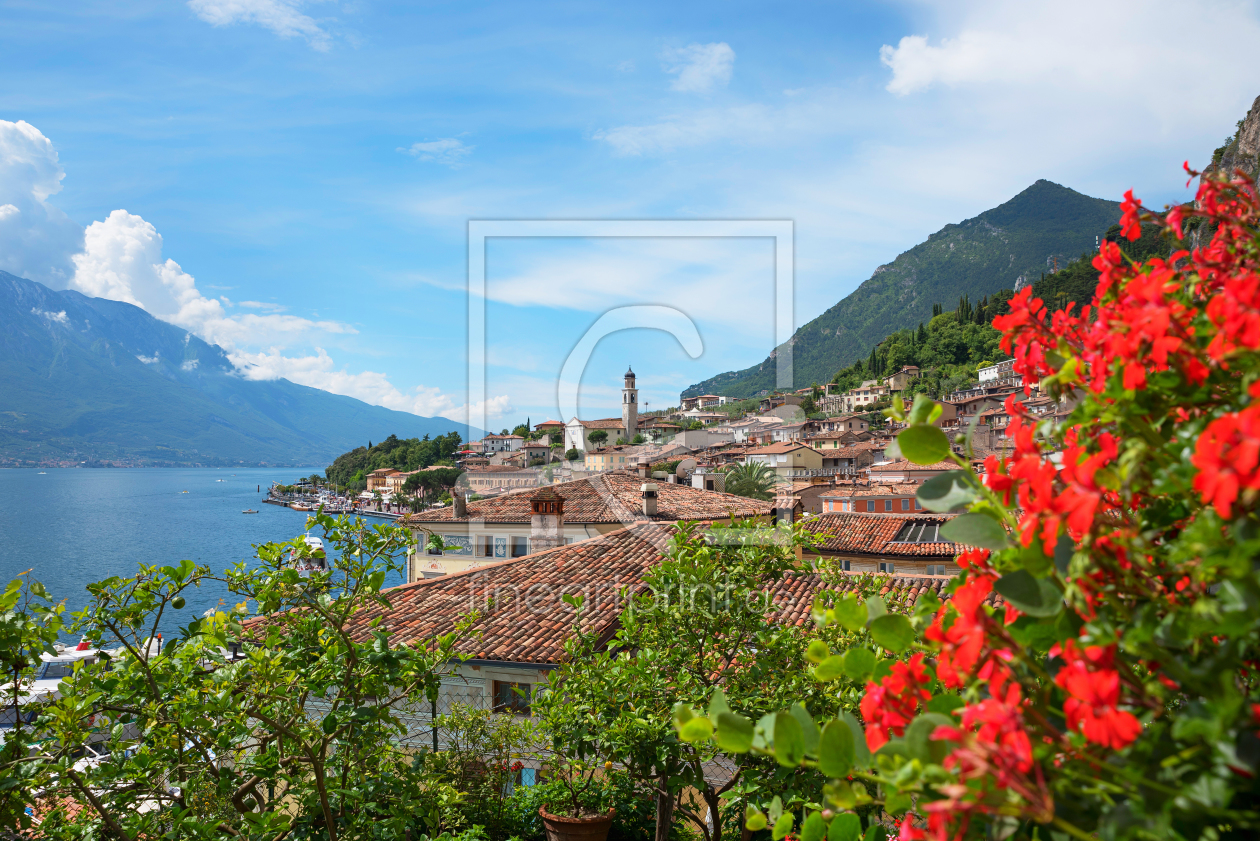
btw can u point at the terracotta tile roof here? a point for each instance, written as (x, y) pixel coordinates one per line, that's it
(779, 447)
(873, 489)
(602, 423)
(894, 466)
(613, 497)
(493, 468)
(524, 619)
(873, 534)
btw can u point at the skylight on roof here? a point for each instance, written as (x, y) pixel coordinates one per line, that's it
(919, 531)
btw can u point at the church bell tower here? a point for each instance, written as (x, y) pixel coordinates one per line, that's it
(630, 407)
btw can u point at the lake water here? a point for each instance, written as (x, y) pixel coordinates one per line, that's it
(72, 527)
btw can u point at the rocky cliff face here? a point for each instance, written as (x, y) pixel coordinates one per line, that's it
(1243, 150)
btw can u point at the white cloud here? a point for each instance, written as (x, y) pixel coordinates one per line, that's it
(319, 371)
(280, 16)
(261, 305)
(36, 238)
(59, 317)
(700, 68)
(448, 151)
(189, 365)
(148, 360)
(122, 261)
(1093, 46)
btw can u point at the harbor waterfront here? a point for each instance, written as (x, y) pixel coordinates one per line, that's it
(71, 527)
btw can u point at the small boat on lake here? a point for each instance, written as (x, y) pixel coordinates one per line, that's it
(249, 511)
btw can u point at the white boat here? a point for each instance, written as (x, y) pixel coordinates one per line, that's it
(249, 511)
(46, 682)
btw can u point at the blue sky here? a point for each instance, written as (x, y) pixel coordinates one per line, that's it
(295, 179)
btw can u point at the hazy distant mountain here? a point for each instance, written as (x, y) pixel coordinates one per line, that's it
(1044, 226)
(91, 380)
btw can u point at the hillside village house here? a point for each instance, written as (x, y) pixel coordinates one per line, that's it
(496, 478)
(551, 427)
(844, 423)
(865, 395)
(377, 479)
(704, 401)
(901, 380)
(891, 544)
(483, 531)
(873, 498)
(788, 460)
(1000, 375)
(501, 443)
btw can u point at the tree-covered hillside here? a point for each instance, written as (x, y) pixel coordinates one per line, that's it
(351, 469)
(977, 258)
(948, 349)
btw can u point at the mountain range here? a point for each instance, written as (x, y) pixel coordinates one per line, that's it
(1037, 231)
(99, 382)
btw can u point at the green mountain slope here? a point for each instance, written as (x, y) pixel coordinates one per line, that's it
(91, 380)
(980, 256)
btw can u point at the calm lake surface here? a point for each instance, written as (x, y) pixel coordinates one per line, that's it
(72, 527)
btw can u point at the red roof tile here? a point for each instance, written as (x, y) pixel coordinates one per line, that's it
(613, 497)
(872, 534)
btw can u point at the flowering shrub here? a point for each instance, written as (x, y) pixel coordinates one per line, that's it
(1095, 672)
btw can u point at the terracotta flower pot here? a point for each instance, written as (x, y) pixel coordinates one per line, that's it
(576, 829)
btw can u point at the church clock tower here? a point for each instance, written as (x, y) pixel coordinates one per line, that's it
(630, 407)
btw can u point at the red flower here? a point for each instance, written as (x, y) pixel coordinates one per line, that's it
(1130, 221)
(890, 705)
(1093, 687)
(1227, 454)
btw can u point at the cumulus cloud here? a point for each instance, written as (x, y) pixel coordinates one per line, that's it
(699, 68)
(1008, 45)
(448, 151)
(122, 260)
(320, 371)
(280, 16)
(36, 238)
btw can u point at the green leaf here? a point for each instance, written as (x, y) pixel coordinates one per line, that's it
(754, 819)
(859, 663)
(851, 613)
(921, 409)
(944, 703)
(734, 733)
(894, 747)
(682, 714)
(696, 730)
(814, 827)
(875, 832)
(861, 753)
(782, 826)
(840, 794)
(1033, 596)
(946, 492)
(875, 608)
(831, 668)
(835, 750)
(817, 651)
(923, 444)
(919, 741)
(776, 809)
(893, 632)
(789, 741)
(1063, 551)
(809, 730)
(845, 827)
(976, 530)
(718, 705)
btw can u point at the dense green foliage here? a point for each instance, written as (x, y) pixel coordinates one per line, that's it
(947, 349)
(351, 469)
(977, 257)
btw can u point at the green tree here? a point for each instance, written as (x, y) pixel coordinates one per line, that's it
(572, 454)
(638, 438)
(294, 737)
(597, 437)
(686, 636)
(29, 624)
(754, 480)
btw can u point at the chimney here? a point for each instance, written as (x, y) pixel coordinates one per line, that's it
(643, 469)
(459, 502)
(546, 522)
(649, 499)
